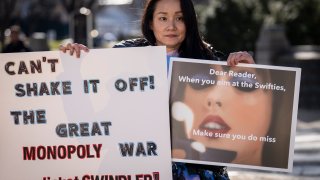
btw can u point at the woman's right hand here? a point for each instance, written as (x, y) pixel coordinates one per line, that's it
(74, 48)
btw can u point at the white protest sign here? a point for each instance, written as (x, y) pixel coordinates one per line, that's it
(102, 116)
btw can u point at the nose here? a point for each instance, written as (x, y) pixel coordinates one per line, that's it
(171, 25)
(212, 103)
(214, 98)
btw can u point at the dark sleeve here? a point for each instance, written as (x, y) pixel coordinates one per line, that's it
(217, 55)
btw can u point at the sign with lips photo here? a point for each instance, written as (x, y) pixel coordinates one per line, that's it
(242, 116)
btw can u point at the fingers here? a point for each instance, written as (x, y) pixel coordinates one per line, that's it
(62, 48)
(70, 48)
(231, 59)
(84, 48)
(239, 57)
(74, 49)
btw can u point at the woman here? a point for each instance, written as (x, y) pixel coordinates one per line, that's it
(173, 23)
(244, 127)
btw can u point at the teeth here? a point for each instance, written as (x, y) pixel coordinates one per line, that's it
(213, 125)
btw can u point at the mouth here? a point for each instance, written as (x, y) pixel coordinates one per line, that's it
(214, 124)
(171, 35)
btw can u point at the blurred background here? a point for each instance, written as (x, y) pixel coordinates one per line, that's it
(276, 32)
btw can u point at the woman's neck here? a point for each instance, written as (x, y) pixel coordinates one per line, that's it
(171, 50)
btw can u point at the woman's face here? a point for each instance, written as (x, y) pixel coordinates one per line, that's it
(233, 110)
(168, 24)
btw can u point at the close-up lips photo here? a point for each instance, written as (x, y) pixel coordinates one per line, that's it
(214, 124)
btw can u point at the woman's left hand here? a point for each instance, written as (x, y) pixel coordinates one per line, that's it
(239, 57)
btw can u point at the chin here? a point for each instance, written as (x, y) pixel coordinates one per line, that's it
(173, 45)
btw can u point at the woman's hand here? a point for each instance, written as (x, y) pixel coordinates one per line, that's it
(74, 48)
(239, 57)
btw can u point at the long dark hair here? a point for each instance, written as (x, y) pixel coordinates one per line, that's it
(192, 46)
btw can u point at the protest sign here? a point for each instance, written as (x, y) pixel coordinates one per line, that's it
(102, 116)
(242, 116)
